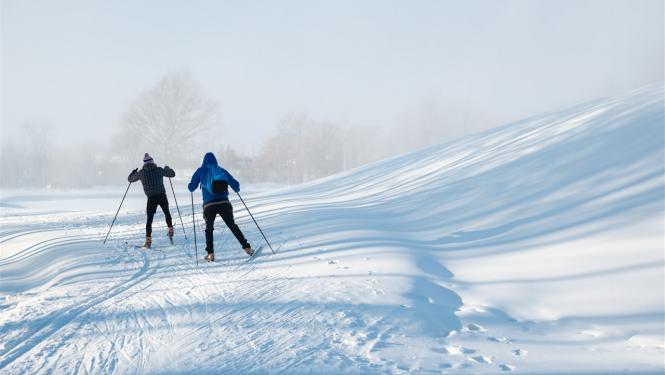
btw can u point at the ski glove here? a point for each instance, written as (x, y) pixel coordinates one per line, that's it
(135, 170)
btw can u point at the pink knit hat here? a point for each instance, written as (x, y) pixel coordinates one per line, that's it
(147, 158)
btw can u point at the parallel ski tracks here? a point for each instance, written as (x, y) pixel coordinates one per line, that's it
(54, 322)
(39, 248)
(63, 317)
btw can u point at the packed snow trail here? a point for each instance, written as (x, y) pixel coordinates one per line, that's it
(535, 247)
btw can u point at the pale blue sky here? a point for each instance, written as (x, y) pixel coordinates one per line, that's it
(78, 64)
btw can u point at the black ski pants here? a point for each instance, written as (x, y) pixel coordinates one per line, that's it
(153, 201)
(225, 210)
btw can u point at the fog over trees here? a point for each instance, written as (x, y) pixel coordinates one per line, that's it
(287, 92)
(170, 119)
(177, 122)
(33, 145)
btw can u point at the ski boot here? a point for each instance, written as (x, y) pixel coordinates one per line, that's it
(249, 251)
(170, 234)
(148, 242)
(210, 257)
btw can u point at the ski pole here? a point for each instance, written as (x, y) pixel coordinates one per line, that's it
(194, 222)
(257, 224)
(116, 213)
(176, 206)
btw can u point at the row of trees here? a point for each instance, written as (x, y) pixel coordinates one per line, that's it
(31, 159)
(303, 149)
(176, 116)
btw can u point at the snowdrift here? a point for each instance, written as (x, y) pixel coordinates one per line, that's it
(535, 247)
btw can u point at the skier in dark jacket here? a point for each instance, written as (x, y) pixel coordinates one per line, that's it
(217, 204)
(152, 176)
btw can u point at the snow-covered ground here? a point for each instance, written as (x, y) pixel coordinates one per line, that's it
(533, 248)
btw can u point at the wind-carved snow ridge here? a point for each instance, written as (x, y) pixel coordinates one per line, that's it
(535, 247)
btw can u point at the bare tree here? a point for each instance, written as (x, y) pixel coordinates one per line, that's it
(37, 149)
(303, 149)
(11, 164)
(168, 119)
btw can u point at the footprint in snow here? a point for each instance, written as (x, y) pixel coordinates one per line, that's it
(480, 359)
(501, 340)
(507, 367)
(520, 352)
(474, 328)
(457, 350)
(332, 262)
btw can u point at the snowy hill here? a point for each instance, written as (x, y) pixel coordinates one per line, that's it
(535, 248)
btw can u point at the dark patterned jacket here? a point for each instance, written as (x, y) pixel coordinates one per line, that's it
(152, 178)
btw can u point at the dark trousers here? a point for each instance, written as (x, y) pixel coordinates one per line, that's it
(225, 210)
(154, 201)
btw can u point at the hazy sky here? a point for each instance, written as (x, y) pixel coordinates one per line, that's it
(78, 64)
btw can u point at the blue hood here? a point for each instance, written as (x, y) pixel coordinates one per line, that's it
(209, 159)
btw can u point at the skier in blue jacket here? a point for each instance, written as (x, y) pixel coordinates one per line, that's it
(216, 203)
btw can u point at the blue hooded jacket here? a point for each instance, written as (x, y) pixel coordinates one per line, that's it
(202, 173)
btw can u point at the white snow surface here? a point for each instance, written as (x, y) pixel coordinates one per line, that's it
(532, 248)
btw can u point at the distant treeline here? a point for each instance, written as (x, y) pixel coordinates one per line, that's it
(301, 150)
(176, 122)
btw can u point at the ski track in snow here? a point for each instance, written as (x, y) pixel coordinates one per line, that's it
(477, 256)
(56, 321)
